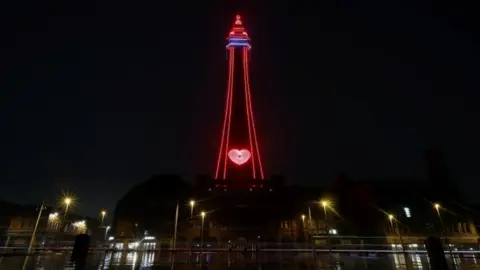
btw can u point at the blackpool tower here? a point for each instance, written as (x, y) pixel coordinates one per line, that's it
(239, 153)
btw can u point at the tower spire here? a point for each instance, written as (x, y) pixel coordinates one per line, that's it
(238, 35)
(238, 20)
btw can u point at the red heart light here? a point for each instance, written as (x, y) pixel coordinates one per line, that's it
(239, 157)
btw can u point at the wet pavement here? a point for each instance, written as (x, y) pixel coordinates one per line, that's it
(226, 260)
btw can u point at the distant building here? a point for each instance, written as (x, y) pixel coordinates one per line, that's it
(246, 212)
(283, 216)
(242, 211)
(51, 232)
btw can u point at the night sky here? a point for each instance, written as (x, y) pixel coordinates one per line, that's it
(97, 97)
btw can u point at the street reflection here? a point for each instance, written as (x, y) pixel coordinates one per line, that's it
(235, 260)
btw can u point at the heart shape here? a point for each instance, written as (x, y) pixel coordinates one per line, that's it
(239, 157)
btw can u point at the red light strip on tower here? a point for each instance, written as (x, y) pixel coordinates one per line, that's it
(245, 80)
(228, 108)
(231, 69)
(249, 108)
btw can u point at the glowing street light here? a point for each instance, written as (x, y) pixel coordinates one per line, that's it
(103, 213)
(325, 204)
(192, 205)
(437, 208)
(391, 218)
(66, 201)
(81, 225)
(52, 216)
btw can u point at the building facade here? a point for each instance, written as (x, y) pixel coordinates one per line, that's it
(52, 232)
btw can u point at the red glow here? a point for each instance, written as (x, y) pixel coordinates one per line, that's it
(237, 29)
(249, 98)
(252, 152)
(239, 156)
(227, 118)
(247, 105)
(230, 90)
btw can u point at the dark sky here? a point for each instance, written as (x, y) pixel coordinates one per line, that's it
(96, 97)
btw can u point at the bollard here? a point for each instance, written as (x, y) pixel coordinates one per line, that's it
(436, 254)
(80, 251)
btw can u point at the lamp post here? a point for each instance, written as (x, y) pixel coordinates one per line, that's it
(192, 205)
(203, 214)
(32, 240)
(303, 227)
(176, 226)
(106, 232)
(326, 204)
(437, 207)
(103, 213)
(392, 219)
(66, 201)
(309, 218)
(42, 207)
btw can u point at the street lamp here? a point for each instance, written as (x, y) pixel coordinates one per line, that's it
(309, 217)
(192, 205)
(326, 204)
(106, 232)
(32, 240)
(437, 208)
(202, 214)
(81, 226)
(53, 216)
(391, 218)
(176, 227)
(303, 222)
(103, 213)
(66, 201)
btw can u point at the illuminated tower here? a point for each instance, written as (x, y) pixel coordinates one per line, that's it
(239, 150)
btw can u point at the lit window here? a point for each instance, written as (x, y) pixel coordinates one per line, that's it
(407, 212)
